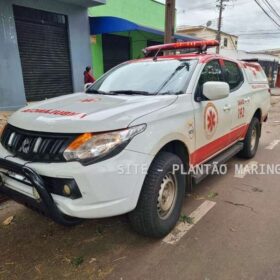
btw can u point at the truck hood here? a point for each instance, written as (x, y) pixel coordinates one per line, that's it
(80, 112)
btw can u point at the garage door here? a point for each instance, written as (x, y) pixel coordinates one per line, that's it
(44, 52)
(116, 49)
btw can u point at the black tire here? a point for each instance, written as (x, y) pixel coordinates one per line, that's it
(249, 150)
(147, 218)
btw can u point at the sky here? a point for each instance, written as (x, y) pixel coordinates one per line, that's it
(240, 18)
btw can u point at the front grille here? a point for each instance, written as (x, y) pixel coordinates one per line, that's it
(36, 146)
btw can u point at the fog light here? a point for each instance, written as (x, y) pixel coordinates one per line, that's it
(67, 190)
(35, 194)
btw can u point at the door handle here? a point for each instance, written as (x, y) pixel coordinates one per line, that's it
(227, 108)
(247, 100)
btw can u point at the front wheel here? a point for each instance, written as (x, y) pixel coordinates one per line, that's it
(161, 198)
(251, 141)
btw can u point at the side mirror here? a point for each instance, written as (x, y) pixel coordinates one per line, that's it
(216, 90)
(86, 86)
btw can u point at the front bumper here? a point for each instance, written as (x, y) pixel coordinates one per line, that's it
(45, 203)
(105, 192)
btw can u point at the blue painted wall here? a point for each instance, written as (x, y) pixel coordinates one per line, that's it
(12, 95)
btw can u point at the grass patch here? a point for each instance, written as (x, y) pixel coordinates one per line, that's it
(77, 261)
(212, 194)
(186, 219)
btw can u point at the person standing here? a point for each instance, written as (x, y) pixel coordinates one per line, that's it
(88, 76)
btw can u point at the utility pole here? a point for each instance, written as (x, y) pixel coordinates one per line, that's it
(169, 21)
(221, 6)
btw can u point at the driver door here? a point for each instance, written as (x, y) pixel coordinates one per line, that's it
(213, 118)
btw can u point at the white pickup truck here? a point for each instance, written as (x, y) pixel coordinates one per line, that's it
(112, 150)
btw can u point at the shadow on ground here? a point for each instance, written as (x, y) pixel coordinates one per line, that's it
(34, 247)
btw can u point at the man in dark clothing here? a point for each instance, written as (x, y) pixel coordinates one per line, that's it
(88, 77)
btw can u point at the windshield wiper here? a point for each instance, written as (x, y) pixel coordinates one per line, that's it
(184, 65)
(97, 91)
(171, 92)
(131, 92)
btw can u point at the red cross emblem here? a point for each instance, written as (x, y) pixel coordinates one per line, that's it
(211, 120)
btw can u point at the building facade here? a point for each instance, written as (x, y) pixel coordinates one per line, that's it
(44, 48)
(270, 63)
(274, 68)
(275, 52)
(122, 28)
(228, 41)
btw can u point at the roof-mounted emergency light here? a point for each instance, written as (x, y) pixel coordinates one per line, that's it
(201, 46)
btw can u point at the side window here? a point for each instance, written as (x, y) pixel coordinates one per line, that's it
(212, 72)
(233, 75)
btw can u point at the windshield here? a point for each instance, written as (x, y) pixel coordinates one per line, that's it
(146, 77)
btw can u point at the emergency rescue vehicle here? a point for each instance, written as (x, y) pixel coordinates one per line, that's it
(112, 150)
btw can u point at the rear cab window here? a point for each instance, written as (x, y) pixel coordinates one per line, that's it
(255, 73)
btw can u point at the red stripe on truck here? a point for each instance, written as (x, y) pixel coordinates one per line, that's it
(206, 152)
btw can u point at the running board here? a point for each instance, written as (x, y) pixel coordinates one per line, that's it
(222, 158)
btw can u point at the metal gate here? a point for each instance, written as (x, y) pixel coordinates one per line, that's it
(116, 49)
(44, 52)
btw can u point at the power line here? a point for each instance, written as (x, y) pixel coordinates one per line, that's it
(272, 9)
(263, 9)
(255, 33)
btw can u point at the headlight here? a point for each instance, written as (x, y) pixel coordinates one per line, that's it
(89, 147)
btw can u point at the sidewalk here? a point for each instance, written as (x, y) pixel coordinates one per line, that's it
(275, 91)
(3, 119)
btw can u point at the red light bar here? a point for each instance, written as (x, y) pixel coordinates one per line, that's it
(183, 45)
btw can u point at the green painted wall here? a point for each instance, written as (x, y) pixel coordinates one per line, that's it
(138, 41)
(97, 55)
(143, 12)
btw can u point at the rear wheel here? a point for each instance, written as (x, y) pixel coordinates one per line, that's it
(251, 141)
(161, 198)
